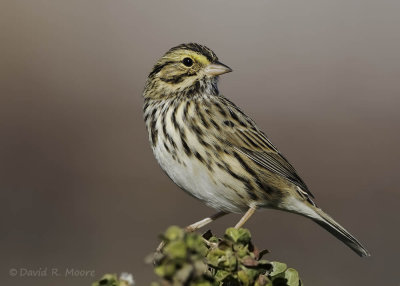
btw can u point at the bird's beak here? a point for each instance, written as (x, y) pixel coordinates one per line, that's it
(217, 68)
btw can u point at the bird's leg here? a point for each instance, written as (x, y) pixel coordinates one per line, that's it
(203, 222)
(195, 226)
(245, 217)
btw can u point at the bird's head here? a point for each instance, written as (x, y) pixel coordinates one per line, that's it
(185, 69)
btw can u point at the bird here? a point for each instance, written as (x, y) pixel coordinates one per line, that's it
(216, 153)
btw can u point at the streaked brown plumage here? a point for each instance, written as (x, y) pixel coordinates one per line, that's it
(214, 151)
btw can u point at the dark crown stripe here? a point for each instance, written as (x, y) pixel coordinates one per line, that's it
(200, 49)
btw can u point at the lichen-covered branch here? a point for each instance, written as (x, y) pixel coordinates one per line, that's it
(191, 259)
(125, 279)
(195, 260)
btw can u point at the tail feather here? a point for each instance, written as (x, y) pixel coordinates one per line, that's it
(339, 232)
(320, 217)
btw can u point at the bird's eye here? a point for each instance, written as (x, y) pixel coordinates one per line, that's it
(187, 62)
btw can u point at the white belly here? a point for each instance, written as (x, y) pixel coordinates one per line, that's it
(194, 177)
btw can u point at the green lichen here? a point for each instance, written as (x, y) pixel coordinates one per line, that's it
(113, 280)
(191, 259)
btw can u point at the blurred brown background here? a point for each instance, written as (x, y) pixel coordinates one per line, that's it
(80, 188)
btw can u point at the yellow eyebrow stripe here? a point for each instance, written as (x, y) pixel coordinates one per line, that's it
(180, 55)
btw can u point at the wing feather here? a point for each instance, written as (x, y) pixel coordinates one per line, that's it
(246, 138)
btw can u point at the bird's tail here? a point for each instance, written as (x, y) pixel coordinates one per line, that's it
(324, 220)
(340, 232)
